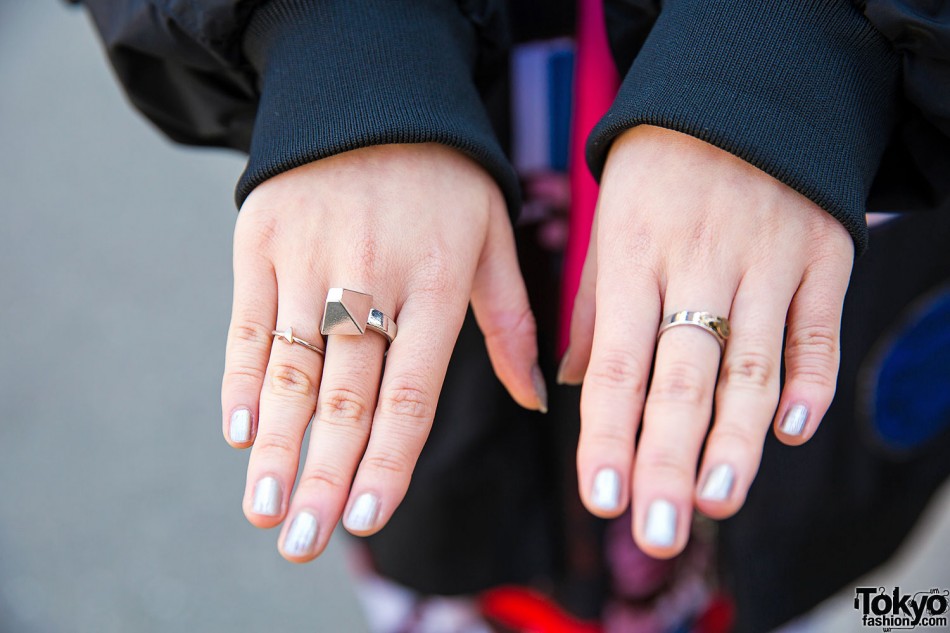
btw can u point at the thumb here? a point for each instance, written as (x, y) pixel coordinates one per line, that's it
(500, 304)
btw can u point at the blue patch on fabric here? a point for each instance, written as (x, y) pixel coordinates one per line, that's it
(911, 402)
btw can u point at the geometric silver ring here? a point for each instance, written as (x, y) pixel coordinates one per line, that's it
(715, 325)
(351, 313)
(288, 335)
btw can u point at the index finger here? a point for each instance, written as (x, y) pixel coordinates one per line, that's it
(615, 384)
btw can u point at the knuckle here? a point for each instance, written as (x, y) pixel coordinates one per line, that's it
(391, 462)
(407, 402)
(749, 368)
(343, 407)
(612, 436)
(277, 446)
(618, 370)
(813, 340)
(250, 333)
(681, 382)
(737, 437)
(521, 323)
(432, 273)
(323, 476)
(811, 356)
(257, 230)
(240, 375)
(366, 249)
(666, 465)
(287, 380)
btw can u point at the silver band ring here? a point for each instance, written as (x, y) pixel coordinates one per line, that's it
(351, 313)
(288, 335)
(715, 325)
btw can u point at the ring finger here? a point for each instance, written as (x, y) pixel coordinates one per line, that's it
(287, 403)
(746, 395)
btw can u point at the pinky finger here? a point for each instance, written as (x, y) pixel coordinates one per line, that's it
(253, 315)
(812, 351)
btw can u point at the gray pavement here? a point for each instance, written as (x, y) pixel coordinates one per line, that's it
(120, 503)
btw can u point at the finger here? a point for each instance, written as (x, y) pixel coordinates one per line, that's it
(575, 360)
(812, 349)
(615, 385)
(501, 308)
(253, 315)
(746, 394)
(341, 427)
(675, 418)
(287, 402)
(415, 368)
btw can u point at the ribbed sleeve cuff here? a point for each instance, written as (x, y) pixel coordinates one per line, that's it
(805, 90)
(337, 75)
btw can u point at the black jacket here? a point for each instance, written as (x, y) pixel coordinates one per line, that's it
(841, 100)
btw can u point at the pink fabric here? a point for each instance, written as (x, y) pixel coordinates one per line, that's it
(595, 85)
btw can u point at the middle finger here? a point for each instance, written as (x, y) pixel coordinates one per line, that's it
(675, 419)
(341, 429)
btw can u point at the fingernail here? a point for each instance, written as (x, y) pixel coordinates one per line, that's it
(794, 421)
(660, 529)
(560, 368)
(240, 428)
(301, 535)
(605, 494)
(718, 484)
(363, 514)
(561, 379)
(540, 388)
(267, 497)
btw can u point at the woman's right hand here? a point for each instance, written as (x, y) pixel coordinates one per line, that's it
(421, 228)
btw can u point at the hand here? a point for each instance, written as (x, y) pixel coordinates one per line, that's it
(422, 229)
(683, 225)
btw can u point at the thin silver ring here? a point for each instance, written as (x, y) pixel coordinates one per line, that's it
(288, 335)
(351, 313)
(716, 325)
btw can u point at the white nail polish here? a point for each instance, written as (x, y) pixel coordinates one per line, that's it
(794, 421)
(300, 536)
(605, 493)
(240, 429)
(267, 497)
(660, 529)
(362, 515)
(718, 484)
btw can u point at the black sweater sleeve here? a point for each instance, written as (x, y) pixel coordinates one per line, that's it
(804, 90)
(292, 81)
(341, 74)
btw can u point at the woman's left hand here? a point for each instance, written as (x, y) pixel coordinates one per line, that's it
(683, 225)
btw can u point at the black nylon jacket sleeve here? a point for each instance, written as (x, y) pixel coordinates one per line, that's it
(291, 81)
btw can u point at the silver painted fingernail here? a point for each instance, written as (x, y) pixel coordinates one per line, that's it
(267, 497)
(794, 421)
(718, 484)
(240, 428)
(540, 388)
(660, 527)
(605, 493)
(301, 534)
(561, 367)
(363, 514)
